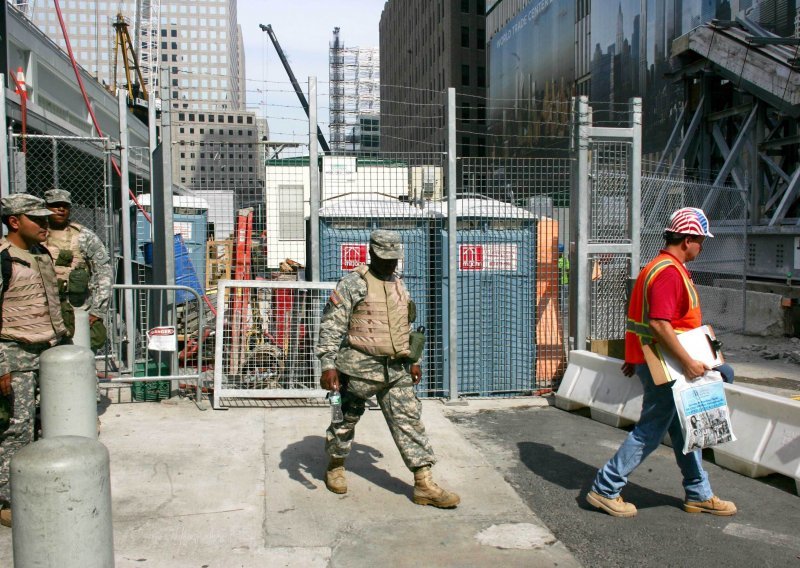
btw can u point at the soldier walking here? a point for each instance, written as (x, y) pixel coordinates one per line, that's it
(30, 322)
(364, 348)
(82, 262)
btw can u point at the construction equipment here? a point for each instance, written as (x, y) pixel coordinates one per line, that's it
(137, 90)
(320, 136)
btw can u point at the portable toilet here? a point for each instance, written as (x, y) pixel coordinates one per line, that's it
(345, 226)
(190, 219)
(496, 285)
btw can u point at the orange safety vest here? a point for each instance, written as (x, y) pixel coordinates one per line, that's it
(637, 331)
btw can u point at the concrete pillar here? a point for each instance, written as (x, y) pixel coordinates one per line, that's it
(82, 336)
(61, 492)
(68, 383)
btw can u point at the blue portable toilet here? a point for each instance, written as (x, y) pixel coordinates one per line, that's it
(345, 226)
(496, 297)
(190, 219)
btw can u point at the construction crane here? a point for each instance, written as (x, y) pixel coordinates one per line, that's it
(137, 90)
(321, 137)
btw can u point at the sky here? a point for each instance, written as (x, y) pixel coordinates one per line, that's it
(304, 29)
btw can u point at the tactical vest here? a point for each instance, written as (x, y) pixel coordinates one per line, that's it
(638, 332)
(66, 239)
(31, 310)
(379, 323)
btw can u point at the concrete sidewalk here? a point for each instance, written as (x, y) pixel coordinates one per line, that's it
(244, 488)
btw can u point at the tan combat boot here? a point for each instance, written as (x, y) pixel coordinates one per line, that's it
(5, 517)
(335, 480)
(426, 492)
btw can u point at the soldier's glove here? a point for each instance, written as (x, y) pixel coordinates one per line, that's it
(64, 258)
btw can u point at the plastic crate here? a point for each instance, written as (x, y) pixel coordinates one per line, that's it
(151, 391)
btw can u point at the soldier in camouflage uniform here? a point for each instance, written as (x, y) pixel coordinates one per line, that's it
(363, 347)
(82, 261)
(31, 321)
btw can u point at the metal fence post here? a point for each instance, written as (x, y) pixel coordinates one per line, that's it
(4, 179)
(61, 488)
(635, 187)
(68, 382)
(55, 162)
(579, 238)
(452, 248)
(313, 170)
(125, 214)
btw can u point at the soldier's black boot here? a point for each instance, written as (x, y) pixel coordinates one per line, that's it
(335, 480)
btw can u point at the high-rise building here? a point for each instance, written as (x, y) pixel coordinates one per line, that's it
(199, 44)
(354, 98)
(428, 46)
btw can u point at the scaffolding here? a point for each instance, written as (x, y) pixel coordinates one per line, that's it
(354, 98)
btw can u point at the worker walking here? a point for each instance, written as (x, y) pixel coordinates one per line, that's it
(30, 322)
(364, 349)
(82, 262)
(664, 302)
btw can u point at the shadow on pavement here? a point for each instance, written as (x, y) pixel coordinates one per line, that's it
(306, 460)
(570, 473)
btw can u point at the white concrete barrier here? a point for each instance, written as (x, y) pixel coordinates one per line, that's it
(597, 381)
(767, 428)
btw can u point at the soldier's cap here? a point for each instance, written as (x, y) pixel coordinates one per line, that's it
(57, 196)
(24, 204)
(386, 244)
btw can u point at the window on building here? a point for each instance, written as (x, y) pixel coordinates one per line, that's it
(291, 212)
(480, 38)
(481, 76)
(465, 75)
(465, 6)
(464, 36)
(466, 111)
(465, 147)
(480, 7)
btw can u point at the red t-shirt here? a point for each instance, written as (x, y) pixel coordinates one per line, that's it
(667, 296)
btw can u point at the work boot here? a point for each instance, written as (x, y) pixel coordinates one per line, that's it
(5, 517)
(615, 507)
(715, 506)
(426, 492)
(335, 480)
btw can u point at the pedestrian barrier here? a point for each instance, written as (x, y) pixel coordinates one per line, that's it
(265, 336)
(767, 429)
(157, 342)
(597, 381)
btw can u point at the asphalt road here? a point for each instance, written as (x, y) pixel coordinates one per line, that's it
(550, 457)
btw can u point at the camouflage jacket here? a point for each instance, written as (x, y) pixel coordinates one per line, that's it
(95, 253)
(333, 350)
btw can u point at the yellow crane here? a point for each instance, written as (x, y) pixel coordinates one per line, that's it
(137, 90)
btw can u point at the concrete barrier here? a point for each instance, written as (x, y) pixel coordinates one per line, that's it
(767, 428)
(597, 382)
(765, 314)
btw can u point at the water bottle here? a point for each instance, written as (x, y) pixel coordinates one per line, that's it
(336, 407)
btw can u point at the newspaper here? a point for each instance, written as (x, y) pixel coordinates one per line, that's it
(703, 411)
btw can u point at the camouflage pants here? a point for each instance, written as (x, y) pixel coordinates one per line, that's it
(401, 409)
(20, 429)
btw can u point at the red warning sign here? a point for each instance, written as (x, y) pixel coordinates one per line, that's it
(470, 257)
(352, 255)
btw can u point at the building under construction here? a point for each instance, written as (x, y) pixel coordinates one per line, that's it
(354, 98)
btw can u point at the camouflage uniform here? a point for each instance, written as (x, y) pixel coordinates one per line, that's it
(21, 361)
(363, 376)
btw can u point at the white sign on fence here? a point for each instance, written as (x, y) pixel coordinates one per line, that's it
(162, 339)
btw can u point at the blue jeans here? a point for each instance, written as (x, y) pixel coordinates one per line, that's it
(658, 416)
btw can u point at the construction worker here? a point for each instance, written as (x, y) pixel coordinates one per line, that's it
(82, 261)
(664, 301)
(30, 322)
(563, 277)
(363, 347)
